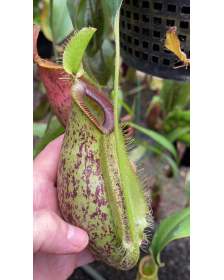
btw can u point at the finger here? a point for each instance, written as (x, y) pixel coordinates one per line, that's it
(44, 177)
(85, 257)
(46, 163)
(53, 235)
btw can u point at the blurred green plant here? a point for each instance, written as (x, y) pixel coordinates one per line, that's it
(173, 227)
(169, 111)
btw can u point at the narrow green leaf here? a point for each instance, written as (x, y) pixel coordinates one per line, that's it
(133, 107)
(177, 133)
(54, 131)
(62, 25)
(158, 152)
(39, 129)
(75, 49)
(158, 138)
(173, 227)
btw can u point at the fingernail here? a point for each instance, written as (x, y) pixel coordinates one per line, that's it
(77, 237)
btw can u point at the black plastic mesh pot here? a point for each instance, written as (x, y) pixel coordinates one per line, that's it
(143, 25)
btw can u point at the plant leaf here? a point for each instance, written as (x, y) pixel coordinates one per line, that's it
(114, 6)
(172, 43)
(39, 129)
(120, 101)
(95, 14)
(41, 109)
(176, 118)
(62, 24)
(177, 133)
(137, 153)
(98, 64)
(72, 7)
(185, 138)
(173, 227)
(75, 49)
(176, 126)
(55, 130)
(158, 152)
(158, 138)
(174, 94)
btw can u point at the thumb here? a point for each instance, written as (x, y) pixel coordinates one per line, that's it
(53, 235)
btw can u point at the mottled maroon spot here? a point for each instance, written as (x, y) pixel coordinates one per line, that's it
(94, 215)
(104, 216)
(75, 193)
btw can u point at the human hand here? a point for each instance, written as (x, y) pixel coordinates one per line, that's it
(57, 246)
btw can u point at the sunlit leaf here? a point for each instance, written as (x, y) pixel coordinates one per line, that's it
(173, 227)
(75, 49)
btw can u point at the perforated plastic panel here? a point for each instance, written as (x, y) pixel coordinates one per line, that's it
(143, 25)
